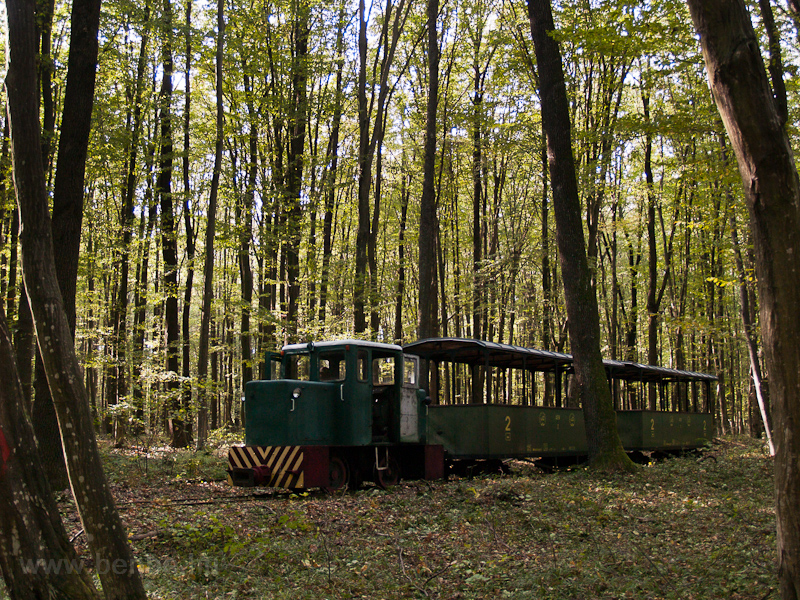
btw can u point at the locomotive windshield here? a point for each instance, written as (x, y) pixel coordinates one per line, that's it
(332, 366)
(297, 366)
(329, 365)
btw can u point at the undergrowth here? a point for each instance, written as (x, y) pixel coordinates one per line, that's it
(699, 526)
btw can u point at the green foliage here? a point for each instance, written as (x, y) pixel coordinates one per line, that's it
(615, 55)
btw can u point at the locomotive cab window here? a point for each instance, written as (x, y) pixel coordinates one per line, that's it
(383, 371)
(297, 366)
(362, 364)
(332, 366)
(272, 366)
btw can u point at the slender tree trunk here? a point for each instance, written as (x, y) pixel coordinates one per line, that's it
(652, 263)
(206, 388)
(120, 309)
(427, 224)
(44, 22)
(169, 240)
(295, 161)
(244, 220)
(146, 226)
(393, 21)
(364, 179)
(750, 331)
(13, 239)
(478, 302)
(605, 448)
(401, 253)
(745, 101)
(191, 230)
(98, 514)
(332, 171)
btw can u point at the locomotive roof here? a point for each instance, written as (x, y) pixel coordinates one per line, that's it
(475, 352)
(340, 343)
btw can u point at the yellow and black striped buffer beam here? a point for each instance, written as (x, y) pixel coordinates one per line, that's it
(284, 463)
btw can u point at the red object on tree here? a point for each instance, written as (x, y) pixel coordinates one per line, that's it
(5, 453)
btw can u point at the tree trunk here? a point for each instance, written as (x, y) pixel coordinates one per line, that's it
(401, 252)
(547, 292)
(427, 219)
(329, 188)
(33, 535)
(68, 197)
(169, 241)
(98, 514)
(205, 389)
(393, 21)
(743, 96)
(295, 161)
(44, 23)
(146, 226)
(190, 228)
(652, 263)
(478, 292)
(244, 220)
(750, 332)
(364, 179)
(605, 448)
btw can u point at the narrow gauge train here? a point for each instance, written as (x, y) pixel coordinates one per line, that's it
(333, 414)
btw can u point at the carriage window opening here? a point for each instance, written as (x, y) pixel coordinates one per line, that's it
(361, 365)
(331, 366)
(298, 366)
(383, 371)
(409, 371)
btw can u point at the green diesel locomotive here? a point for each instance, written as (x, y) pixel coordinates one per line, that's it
(334, 414)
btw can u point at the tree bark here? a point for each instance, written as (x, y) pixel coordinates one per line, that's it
(176, 417)
(393, 22)
(750, 333)
(244, 221)
(329, 188)
(605, 448)
(427, 219)
(95, 504)
(68, 208)
(189, 227)
(33, 536)
(295, 161)
(205, 392)
(752, 119)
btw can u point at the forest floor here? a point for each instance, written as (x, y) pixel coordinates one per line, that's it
(699, 526)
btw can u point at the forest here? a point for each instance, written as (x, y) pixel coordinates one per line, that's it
(267, 158)
(185, 186)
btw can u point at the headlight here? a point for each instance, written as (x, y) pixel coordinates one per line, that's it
(296, 392)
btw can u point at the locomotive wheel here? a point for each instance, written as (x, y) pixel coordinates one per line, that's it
(388, 476)
(338, 474)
